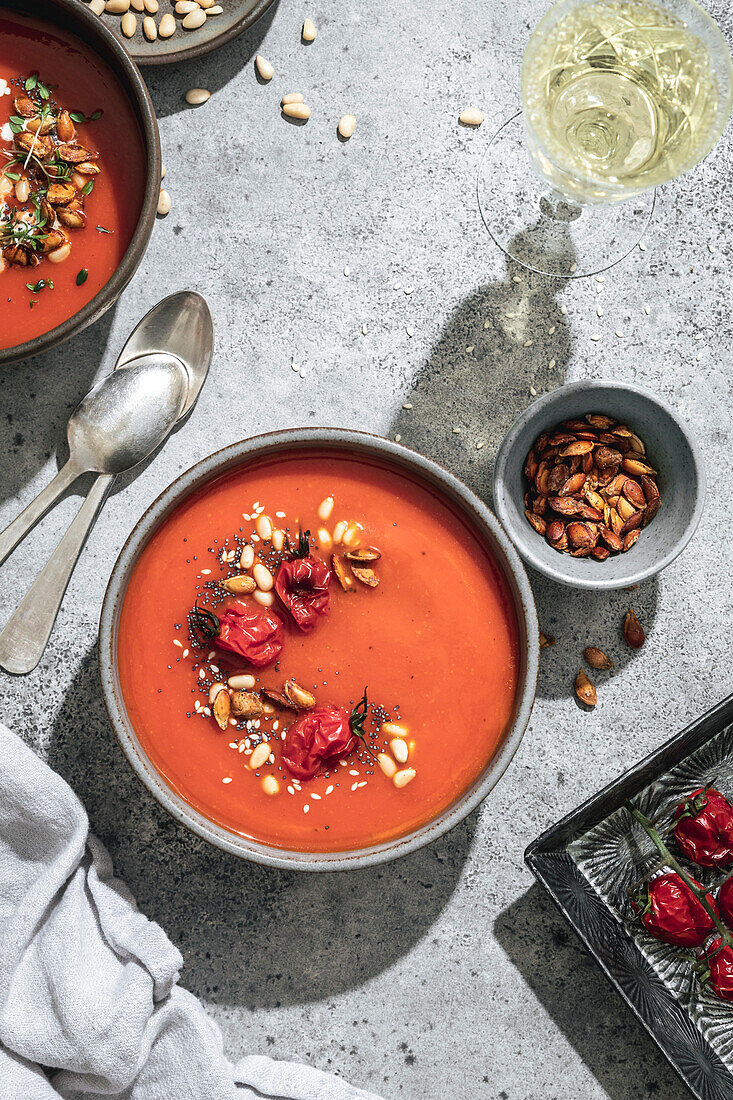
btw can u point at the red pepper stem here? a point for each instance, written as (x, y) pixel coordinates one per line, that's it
(700, 894)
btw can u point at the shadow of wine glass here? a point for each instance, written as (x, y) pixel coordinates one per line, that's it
(250, 935)
(573, 991)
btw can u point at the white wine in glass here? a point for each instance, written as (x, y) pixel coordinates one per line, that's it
(618, 96)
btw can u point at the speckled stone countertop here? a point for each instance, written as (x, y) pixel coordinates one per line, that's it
(445, 974)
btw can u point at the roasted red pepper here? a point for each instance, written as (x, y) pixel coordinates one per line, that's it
(670, 912)
(255, 635)
(717, 977)
(321, 737)
(704, 829)
(302, 582)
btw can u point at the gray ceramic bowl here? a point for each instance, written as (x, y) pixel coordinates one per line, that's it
(487, 528)
(75, 17)
(671, 450)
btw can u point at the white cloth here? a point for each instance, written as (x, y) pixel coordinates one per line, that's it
(89, 1005)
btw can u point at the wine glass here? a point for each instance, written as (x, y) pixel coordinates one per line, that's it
(618, 96)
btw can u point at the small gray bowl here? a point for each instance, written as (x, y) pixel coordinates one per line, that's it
(671, 450)
(487, 529)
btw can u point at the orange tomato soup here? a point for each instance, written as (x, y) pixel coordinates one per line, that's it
(435, 644)
(78, 82)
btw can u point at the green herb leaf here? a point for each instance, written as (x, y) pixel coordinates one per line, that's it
(95, 115)
(12, 175)
(77, 116)
(88, 186)
(31, 83)
(16, 124)
(36, 288)
(82, 276)
(43, 91)
(101, 229)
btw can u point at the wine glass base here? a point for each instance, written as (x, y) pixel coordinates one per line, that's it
(543, 231)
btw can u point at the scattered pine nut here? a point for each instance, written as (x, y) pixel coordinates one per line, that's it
(263, 528)
(347, 124)
(150, 30)
(137, 5)
(264, 68)
(167, 26)
(22, 190)
(60, 254)
(278, 539)
(292, 97)
(247, 557)
(183, 7)
(324, 539)
(205, 4)
(387, 764)
(297, 110)
(263, 576)
(471, 116)
(270, 785)
(259, 755)
(117, 7)
(97, 6)
(197, 96)
(399, 749)
(217, 9)
(128, 24)
(393, 729)
(164, 199)
(194, 20)
(309, 31)
(402, 778)
(265, 599)
(325, 508)
(151, 6)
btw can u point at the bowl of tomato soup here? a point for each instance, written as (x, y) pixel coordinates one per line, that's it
(79, 172)
(318, 649)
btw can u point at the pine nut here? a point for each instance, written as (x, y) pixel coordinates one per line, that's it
(206, 4)
(128, 24)
(278, 539)
(266, 599)
(264, 68)
(60, 254)
(259, 755)
(297, 110)
(97, 6)
(309, 31)
(164, 199)
(214, 691)
(270, 785)
(216, 10)
(150, 31)
(162, 167)
(117, 7)
(183, 7)
(151, 6)
(22, 190)
(263, 527)
(339, 531)
(402, 778)
(324, 539)
(167, 26)
(399, 750)
(325, 508)
(387, 764)
(241, 682)
(263, 576)
(138, 5)
(292, 97)
(347, 125)
(197, 96)
(392, 729)
(194, 20)
(247, 557)
(352, 534)
(471, 116)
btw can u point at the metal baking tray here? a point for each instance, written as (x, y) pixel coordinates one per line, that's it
(586, 861)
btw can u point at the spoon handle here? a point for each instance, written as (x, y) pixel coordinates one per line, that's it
(24, 637)
(29, 517)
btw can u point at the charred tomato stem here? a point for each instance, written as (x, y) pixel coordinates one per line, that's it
(356, 722)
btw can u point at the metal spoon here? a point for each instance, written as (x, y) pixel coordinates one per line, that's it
(118, 424)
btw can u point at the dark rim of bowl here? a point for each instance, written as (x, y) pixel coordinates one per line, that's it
(190, 52)
(544, 405)
(488, 530)
(80, 18)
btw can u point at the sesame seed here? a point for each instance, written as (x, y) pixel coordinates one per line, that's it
(533, 391)
(214, 668)
(397, 286)
(316, 797)
(550, 330)
(573, 266)
(487, 324)
(552, 364)
(207, 712)
(227, 779)
(527, 343)
(563, 309)
(347, 272)
(242, 746)
(595, 339)
(354, 786)
(480, 444)
(642, 246)
(456, 431)
(280, 515)
(233, 744)
(306, 808)
(293, 366)
(397, 438)
(185, 653)
(206, 572)
(409, 289)
(470, 348)
(290, 790)
(410, 330)
(711, 250)
(646, 310)
(211, 653)
(407, 405)
(176, 642)
(352, 771)
(599, 311)
(364, 330)
(619, 334)
(516, 278)
(202, 674)
(329, 789)
(301, 372)
(362, 784)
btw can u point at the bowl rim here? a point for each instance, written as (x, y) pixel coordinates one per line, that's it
(84, 24)
(540, 411)
(487, 528)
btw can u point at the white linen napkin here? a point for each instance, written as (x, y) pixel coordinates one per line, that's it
(89, 1005)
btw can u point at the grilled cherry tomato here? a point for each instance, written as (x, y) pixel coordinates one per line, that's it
(704, 829)
(725, 901)
(671, 913)
(302, 582)
(255, 635)
(321, 737)
(718, 958)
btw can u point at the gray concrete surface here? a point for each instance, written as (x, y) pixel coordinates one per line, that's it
(446, 974)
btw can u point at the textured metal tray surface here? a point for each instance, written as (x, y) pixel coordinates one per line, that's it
(586, 862)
